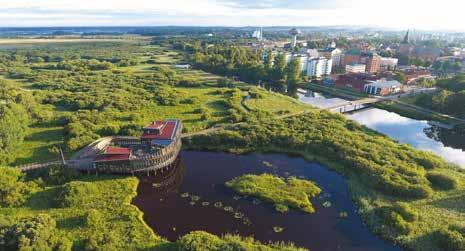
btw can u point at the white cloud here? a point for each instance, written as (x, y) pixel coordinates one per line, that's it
(393, 13)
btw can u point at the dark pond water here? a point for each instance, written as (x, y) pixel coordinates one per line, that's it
(178, 203)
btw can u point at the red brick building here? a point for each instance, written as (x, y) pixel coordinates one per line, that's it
(354, 81)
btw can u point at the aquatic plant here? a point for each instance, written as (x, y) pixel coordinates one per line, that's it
(195, 198)
(238, 215)
(327, 204)
(228, 209)
(343, 215)
(291, 192)
(218, 204)
(278, 229)
(236, 197)
(205, 203)
(256, 201)
(184, 195)
(267, 164)
(192, 203)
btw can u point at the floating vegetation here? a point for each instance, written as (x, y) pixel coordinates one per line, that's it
(267, 164)
(195, 198)
(161, 199)
(205, 203)
(156, 185)
(174, 229)
(327, 204)
(287, 173)
(228, 209)
(238, 215)
(256, 201)
(218, 204)
(278, 229)
(184, 195)
(192, 203)
(246, 221)
(237, 197)
(302, 177)
(343, 215)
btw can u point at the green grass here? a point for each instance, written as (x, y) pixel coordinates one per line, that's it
(275, 103)
(293, 192)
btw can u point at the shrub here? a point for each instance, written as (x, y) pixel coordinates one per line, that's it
(292, 192)
(13, 190)
(37, 233)
(77, 194)
(394, 219)
(408, 213)
(200, 241)
(442, 181)
(451, 238)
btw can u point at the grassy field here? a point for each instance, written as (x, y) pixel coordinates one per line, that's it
(43, 137)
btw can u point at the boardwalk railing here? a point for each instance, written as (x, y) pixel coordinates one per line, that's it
(36, 166)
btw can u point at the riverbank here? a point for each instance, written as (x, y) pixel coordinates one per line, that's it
(380, 172)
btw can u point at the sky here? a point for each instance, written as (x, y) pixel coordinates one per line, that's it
(399, 14)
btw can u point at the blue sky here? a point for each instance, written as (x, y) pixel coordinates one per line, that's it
(402, 14)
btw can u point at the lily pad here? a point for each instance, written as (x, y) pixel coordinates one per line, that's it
(278, 229)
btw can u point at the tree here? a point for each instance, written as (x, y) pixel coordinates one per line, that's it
(437, 66)
(14, 122)
(400, 76)
(457, 67)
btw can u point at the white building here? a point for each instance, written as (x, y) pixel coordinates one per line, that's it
(383, 87)
(303, 60)
(334, 54)
(355, 68)
(389, 62)
(313, 53)
(318, 67)
(258, 34)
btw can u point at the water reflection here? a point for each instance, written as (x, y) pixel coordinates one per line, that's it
(409, 131)
(416, 133)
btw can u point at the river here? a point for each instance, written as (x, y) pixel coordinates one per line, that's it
(416, 133)
(192, 196)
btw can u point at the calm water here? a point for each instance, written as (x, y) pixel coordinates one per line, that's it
(416, 133)
(177, 204)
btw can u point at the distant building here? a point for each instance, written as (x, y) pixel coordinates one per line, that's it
(334, 54)
(373, 62)
(389, 63)
(383, 87)
(352, 56)
(318, 67)
(408, 48)
(355, 68)
(258, 34)
(355, 81)
(303, 60)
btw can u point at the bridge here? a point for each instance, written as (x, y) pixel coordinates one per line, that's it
(353, 105)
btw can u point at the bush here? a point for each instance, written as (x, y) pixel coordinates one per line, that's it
(77, 194)
(451, 238)
(442, 181)
(13, 190)
(408, 213)
(37, 233)
(292, 192)
(394, 219)
(201, 241)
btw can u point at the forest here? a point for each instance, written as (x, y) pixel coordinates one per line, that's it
(249, 65)
(450, 99)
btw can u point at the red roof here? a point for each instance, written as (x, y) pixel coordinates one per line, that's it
(155, 125)
(168, 132)
(119, 157)
(117, 150)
